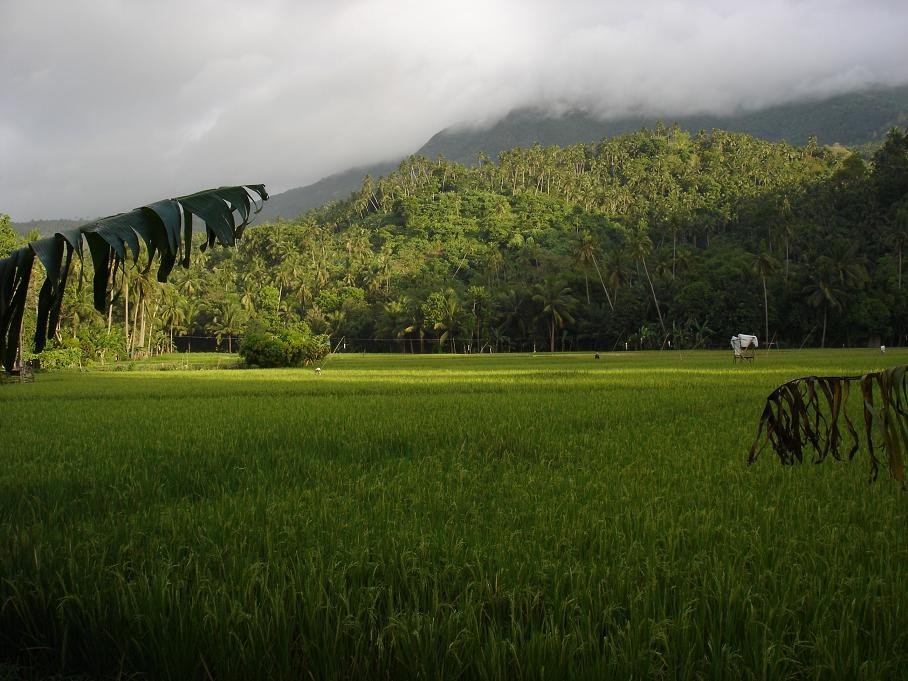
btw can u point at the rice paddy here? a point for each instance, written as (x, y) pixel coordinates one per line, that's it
(492, 516)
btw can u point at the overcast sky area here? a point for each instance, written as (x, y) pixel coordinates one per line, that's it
(110, 104)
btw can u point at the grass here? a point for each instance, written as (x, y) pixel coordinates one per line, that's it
(442, 517)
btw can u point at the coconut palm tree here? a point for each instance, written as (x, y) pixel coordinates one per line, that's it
(229, 320)
(509, 307)
(763, 264)
(556, 301)
(641, 247)
(450, 320)
(588, 252)
(479, 298)
(173, 313)
(822, 292)
(144, 288)
(191, 308)
(618, 273)
(317, 319)
(289, 274)
(844, 264)
(393, 321)
(417, 324)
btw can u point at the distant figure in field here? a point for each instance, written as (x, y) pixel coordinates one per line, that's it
(882, 349)
(318, 371)
(597, 355)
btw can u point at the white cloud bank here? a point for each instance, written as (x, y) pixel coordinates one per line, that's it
(114, 103)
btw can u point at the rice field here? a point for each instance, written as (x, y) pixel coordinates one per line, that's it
(452, 517)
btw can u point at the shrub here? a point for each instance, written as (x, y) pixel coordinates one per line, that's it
(286, 347)
(60, 358)
(100, 344)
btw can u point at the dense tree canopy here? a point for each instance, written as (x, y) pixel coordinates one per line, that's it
(657, 238)
(8, 239)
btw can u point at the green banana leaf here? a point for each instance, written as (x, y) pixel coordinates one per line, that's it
(55, 253)
(15, 273)
(165, 228)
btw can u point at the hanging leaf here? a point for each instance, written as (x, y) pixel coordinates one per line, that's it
(55, 253)
(167, 216)
(102, 260)
(814, 410)
(112, 241)
(216, 213)
(15, 273)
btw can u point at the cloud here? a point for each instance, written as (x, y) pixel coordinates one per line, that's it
(111, 104)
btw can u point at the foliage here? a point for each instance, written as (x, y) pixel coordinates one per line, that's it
(165, 228)
(859, 120)
(99, 344)
(814, 410)
(282, 347)
(657, 229)
(52, 359)
(9, 240)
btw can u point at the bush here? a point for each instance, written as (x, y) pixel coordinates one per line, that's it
(60, 358)
(100, 344)
(288, 347)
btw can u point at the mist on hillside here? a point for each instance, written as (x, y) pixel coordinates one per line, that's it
(110, 106)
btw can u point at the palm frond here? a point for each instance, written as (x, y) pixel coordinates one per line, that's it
(813, 410)
(165, 228)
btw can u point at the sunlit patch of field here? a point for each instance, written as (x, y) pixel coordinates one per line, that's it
(493, 516)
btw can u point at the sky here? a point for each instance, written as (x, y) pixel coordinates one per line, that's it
(106, 105)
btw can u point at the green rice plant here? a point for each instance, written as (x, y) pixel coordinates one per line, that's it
(814, 410)
(449, 517)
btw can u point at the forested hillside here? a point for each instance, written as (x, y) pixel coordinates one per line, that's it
(647, 238)
(857, 120)
(654, 239)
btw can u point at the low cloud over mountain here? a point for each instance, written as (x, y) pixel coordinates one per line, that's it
(106, 106)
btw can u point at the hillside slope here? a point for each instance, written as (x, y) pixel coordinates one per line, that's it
(45, 226)
(853, 120)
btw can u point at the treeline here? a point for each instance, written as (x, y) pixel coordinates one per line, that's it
(653, 239)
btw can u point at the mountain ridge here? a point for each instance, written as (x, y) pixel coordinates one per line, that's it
(855, 119)
(858, 119)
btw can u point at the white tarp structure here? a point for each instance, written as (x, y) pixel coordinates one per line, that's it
(744, 342)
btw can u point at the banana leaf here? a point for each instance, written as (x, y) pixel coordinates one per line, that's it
(15, 273)
(167, 216)
(813, 410)
(165, 229)
(218, 217)
(55, 253)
